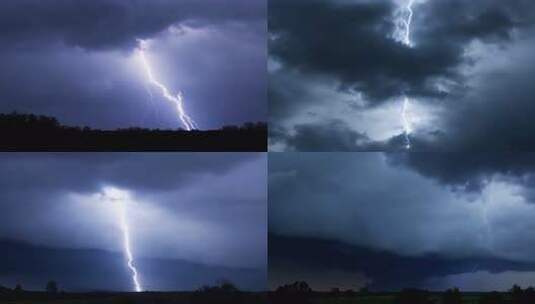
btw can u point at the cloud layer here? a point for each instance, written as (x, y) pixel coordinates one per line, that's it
(183, 206)
(465, 212)
(113, 23)
(212, 52)
(339, 61)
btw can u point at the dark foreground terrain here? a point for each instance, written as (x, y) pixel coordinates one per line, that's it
(21, 132)
(300, 293)
(136, 298)
(376, 298)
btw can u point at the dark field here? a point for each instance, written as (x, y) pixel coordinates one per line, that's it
(382, 298)
(300, 293)
(136, 298)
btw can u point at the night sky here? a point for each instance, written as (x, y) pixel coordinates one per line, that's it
(194, 219)
(338, 75)
(77, 61)
(402, 220)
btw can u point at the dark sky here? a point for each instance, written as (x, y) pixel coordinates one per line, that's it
(194, 219)
(77, 60)
(399, 220)
(338, 75)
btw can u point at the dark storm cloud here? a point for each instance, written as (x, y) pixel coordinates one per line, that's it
(331, 136)
(101, 24)
(497, 114)
(212, 51)
(468, 73)
(351, 41)
(380, 270)
(364, 217)
(334, 135)
(326, 183)
(185, 205)
(89, 171)
(469, 171)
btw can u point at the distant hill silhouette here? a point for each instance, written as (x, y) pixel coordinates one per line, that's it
(28, 132)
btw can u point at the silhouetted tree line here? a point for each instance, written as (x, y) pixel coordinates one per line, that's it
(299, 287)
(38, 132)
(295, 293)
(18, 292)
(515, 295)
(224, 292)
(301, 293)
(522, 296)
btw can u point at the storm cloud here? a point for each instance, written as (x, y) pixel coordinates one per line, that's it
(212, 52)
(112, 23)
(371, 221)
(339, 60)
(184, 212)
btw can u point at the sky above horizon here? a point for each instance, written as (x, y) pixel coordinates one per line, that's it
(181, 208)
(402, 220)
(78, 61)
(339, 71)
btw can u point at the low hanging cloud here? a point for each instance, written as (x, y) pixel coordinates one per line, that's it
(337, 195)
(342, 201)
(105, 24)
(469, 171)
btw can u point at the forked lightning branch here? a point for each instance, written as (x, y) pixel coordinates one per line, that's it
(177, 100)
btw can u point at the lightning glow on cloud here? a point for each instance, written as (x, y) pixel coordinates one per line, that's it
(178, 99)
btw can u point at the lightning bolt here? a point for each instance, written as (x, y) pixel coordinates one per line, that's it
(403, 34)
(119, 198)
(407, 22)
(177, 100)
(126, 245)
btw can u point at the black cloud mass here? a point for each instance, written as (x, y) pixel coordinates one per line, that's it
(112, 23)
(463, 72)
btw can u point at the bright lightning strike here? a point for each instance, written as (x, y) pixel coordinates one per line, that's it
(408, 21)
(120, 198)
(177, 100)
(403, 34)
(126, 244)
